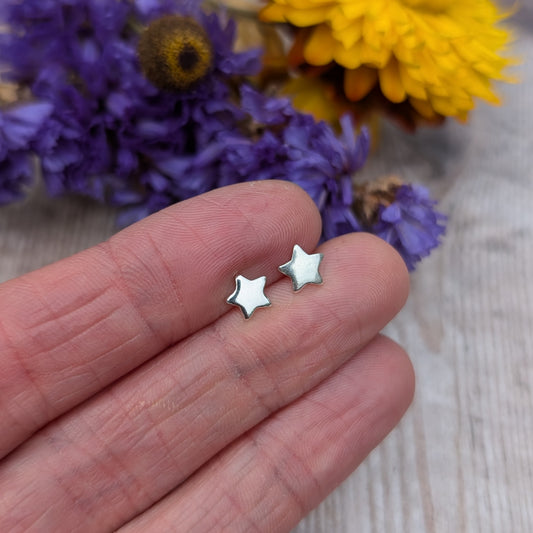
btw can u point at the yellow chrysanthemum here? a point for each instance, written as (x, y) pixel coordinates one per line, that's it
(435, 54)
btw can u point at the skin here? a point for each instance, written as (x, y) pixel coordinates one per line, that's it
(134, 398)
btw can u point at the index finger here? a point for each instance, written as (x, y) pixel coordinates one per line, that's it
(71, 329)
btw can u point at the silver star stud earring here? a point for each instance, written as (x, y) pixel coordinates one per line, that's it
(249, 295)
(302, 268)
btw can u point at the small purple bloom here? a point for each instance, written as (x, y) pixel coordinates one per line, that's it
(19, 125)
(19, 129)
(148, 10)
(410, 224)
(267, 111)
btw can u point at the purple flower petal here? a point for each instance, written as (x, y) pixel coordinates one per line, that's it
(20, 125)
(411, 224)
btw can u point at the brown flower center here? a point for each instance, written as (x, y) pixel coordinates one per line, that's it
(175, 52)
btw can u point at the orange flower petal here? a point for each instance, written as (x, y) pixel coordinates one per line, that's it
(391, 82)
(320, 47)
(359, 82)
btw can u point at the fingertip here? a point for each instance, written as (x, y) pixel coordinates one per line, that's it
(385, 263)
(280, 190)
(292, 199)
(271, 215)
(373, 391)
(397, 269)
(375, 276)
(397, 376)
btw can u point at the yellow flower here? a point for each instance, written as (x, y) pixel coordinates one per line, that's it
(312, 96)
(436, 55)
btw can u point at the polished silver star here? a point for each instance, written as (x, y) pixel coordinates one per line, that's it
(249, 295)
(302, 268)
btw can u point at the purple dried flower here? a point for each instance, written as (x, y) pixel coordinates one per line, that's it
(19, 125)
(411, 224)
(294, 147)
(101, 128)
(284, 144)
(108, 120)
(19, 128)
(267, 111)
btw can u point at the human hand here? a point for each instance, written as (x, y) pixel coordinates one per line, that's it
(132, 396)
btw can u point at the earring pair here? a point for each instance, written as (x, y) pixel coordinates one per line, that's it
(303, 268)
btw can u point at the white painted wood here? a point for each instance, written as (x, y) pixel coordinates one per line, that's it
(462, 459)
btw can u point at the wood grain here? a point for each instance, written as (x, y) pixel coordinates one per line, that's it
(462, 459)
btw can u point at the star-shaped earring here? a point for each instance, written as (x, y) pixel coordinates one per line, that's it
(249, 295)
(302, 268)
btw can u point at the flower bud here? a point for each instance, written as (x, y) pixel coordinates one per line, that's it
(175, 52)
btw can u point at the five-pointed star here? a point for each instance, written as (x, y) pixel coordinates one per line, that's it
(249, 295)
(302, 268)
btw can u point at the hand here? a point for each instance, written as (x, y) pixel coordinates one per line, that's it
(132, 395)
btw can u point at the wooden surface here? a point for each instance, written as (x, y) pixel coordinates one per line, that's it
(462, 458)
